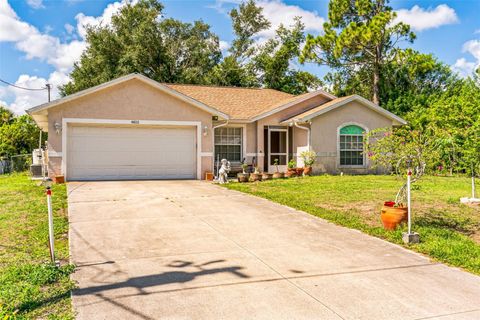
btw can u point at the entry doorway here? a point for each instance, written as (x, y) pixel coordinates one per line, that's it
(277, 149)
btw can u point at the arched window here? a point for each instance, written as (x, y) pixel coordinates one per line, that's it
(351, 146)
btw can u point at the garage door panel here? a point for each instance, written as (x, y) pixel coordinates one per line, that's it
(112, 153)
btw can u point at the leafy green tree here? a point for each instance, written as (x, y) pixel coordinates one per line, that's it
(453, 115)
(236, 69)
(6, 116)
(268, 64)
(444, 131)
(247, 21)
(140, 40)
(230, 72)
(411, 79)
(273, 62)
(360, 38)
(18, 136)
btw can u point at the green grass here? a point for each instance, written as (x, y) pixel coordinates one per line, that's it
(449, 231)
(31, 287)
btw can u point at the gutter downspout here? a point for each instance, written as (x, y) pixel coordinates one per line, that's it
(308, 132)
(213, 143)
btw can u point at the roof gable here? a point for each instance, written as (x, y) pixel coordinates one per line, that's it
(43, 107)
(339, 102)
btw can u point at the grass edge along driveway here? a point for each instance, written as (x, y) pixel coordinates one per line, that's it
(31, 287)
(446, 227)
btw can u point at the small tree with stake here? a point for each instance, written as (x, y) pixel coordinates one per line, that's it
(400, 150)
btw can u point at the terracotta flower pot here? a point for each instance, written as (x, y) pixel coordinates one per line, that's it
(209, 176)
(266, 176)
(243, 177)
(291, 173)
(299, 171)
(278, 175)
(393, 216)
(307, 171)
(59, 179)
(255, 177)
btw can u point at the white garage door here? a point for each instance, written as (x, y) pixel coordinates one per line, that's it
(115, 153)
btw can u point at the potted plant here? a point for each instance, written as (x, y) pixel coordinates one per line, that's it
(400, 150)
(299, 171)
(277, 174)
(266, 176)
(308, 157)
(243, 176)
(256, 175)
(291, 169)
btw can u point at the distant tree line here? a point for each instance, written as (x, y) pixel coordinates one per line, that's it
(139, 39)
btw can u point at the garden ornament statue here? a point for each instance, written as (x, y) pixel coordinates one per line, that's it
(224, 170)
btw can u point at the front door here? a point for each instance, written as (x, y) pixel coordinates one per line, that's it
(277, 149)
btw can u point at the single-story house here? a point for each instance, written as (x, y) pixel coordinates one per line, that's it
(136, 128)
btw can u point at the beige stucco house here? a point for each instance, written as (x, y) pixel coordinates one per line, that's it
(136, 128)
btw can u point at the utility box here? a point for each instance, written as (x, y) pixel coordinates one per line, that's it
(36, 170)
(37, 157)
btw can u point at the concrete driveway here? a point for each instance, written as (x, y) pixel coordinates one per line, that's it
(192, 250)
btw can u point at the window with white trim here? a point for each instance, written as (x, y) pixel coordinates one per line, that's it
(228, 144)
(351, 146)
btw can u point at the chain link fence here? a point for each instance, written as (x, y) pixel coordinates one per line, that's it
(16, 163)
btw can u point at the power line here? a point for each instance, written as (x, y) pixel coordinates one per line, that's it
(23, 88)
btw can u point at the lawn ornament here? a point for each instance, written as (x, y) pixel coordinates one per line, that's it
(223, 172)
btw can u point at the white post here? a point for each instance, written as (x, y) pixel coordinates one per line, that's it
(409, 207)
(473, 185)
(473, 181)
(50, 224)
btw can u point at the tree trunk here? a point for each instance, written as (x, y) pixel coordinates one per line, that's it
(376, 75)
(376, 84)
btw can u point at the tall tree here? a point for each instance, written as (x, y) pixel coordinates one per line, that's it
(360, 38)
(269, 63)
(247, 21)
(273, 62)
(140, 40)
(236, 69)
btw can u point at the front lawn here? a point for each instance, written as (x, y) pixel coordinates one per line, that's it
(30, 287)
(449, 231)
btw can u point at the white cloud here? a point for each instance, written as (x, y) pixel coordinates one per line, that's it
(24, 99)
(278, 13)
(37, 45)
(35, 4)
(224, 45)
(472, 47)
(463, 67)
(476, 31)
(69, 28)
(11, 28)
(221, 5)
(104, 19)
(422, 19)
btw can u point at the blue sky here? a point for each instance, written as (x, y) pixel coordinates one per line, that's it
(41, 39)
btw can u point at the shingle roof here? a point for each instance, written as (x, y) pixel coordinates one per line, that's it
(320, 107)
(238, 103)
